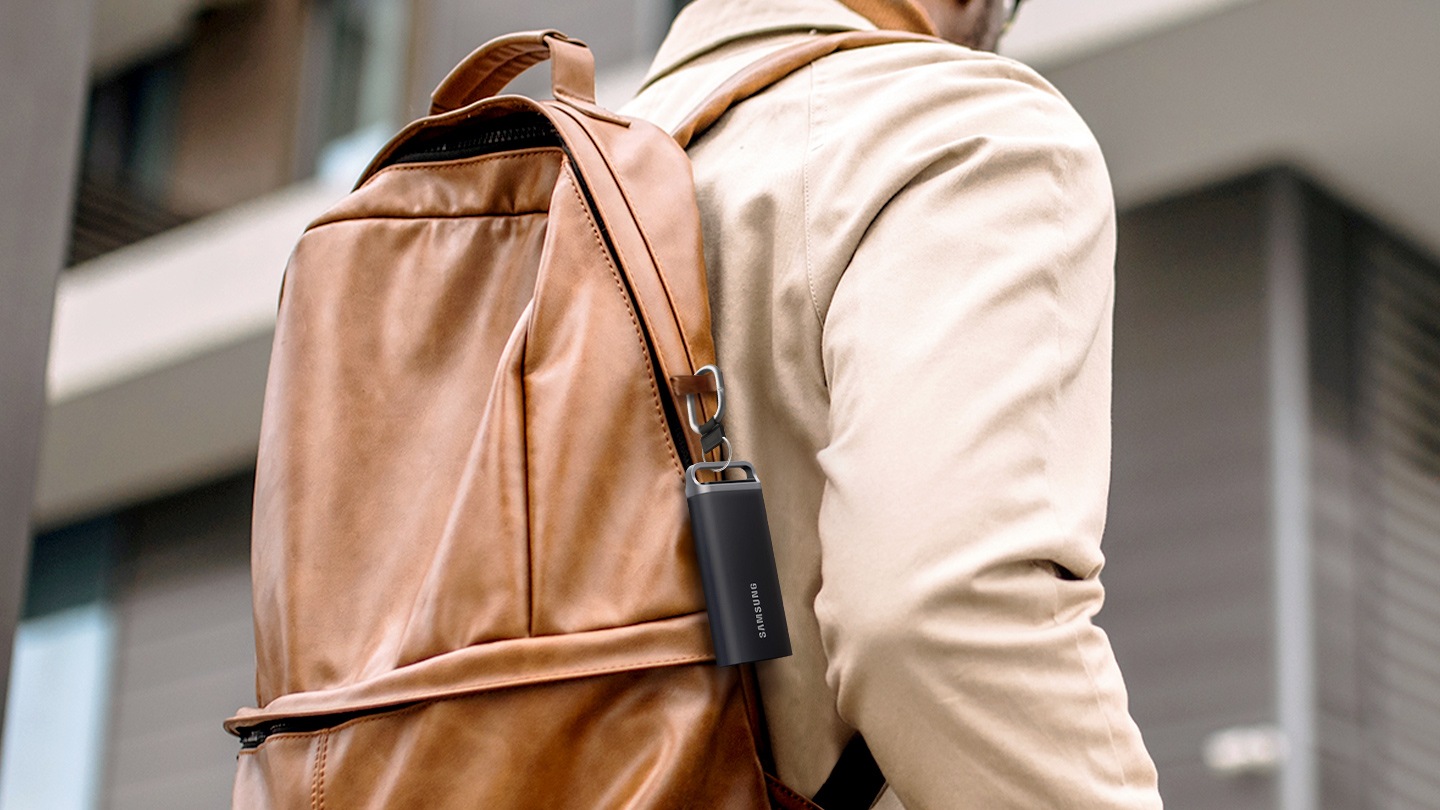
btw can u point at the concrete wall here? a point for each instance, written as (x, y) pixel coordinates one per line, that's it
(43, 44)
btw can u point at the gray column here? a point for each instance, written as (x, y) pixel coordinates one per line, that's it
(43, 75)
(1291, 491)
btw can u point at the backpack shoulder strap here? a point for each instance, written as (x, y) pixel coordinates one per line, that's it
(776, 66)
(856, 780)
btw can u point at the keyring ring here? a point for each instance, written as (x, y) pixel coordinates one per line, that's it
(724, 442)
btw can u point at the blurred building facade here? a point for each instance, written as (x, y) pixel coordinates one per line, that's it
(1274, 539)
(1274, 533)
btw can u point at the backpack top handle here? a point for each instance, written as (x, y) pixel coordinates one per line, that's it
(486, 71)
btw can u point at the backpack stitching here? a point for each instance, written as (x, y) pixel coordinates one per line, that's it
(317, 779)
(412, 217)
(784, 789)
(437, 167)
(481, 688)
(640, 336)
(650, 251)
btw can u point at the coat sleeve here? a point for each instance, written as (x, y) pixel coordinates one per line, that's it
(967, 353)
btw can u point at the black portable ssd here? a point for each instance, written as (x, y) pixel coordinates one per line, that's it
(737, 566)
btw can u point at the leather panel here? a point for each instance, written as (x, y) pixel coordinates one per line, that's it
(611, 539)
(679, 353)
(378, 408)
(501, 665)
(501, 184)
(652, 211)
(659, 739)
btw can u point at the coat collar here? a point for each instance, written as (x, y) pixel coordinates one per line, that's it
(705, 25)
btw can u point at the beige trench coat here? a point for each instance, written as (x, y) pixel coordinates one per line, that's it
(910, 251)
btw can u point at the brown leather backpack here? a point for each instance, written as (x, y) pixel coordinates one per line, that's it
(474, 585)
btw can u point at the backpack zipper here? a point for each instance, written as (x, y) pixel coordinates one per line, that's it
(667, 400)
(499, 140)
(538, 131)
(254, 736)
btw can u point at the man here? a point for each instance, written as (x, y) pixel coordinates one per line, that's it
(910, 249)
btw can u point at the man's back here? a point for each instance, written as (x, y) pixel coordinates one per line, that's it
(910, 253)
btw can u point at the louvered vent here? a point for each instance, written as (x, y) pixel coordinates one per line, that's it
(110, 216)
(1398, 556)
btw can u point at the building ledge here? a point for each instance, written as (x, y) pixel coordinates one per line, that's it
(158, 355)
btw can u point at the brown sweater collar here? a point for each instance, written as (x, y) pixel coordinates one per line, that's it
(704, 26)
(894, 15)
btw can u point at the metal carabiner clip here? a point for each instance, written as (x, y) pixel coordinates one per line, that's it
(714, 420)
(712, 432)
